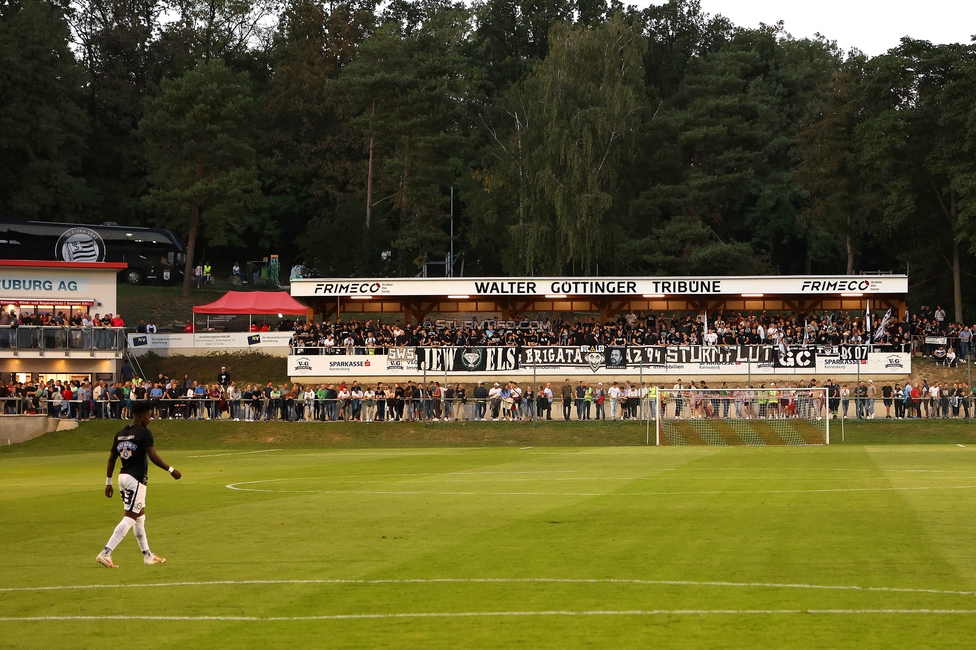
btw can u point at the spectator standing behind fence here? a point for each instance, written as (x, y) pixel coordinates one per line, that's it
(480, 395)
(495, 400)
(870, 392)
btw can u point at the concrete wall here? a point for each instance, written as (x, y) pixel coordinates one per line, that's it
(21, 428)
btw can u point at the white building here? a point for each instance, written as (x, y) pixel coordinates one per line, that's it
(35, 288)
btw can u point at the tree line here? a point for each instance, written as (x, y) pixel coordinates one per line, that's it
(550, 136)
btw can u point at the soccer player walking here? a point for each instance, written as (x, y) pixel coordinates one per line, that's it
(134, 445)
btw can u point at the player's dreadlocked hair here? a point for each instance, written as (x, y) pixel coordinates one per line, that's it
(138, 408)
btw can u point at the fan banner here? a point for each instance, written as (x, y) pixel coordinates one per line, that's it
(497, 363)
(599, 356)
(458, 359)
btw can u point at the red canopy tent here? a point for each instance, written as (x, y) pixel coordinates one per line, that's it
(252, 302)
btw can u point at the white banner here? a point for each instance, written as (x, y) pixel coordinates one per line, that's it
(651, 287)
(210, 340)
(381, 365)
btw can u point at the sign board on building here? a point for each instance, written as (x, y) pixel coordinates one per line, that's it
(575, 286)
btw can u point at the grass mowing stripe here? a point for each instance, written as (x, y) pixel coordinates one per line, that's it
(236, 453)
(408, 581)
(233, 486)
(598, 612)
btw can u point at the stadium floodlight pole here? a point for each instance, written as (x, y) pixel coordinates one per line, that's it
(843, 437)
(657, 420)
(826, 402)
(450, 267)
(640, 387)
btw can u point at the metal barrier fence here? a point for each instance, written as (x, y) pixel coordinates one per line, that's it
(430, 409)
(35, 337)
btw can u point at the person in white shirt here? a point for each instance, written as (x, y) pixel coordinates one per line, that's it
(678, 395)
(614, 395)
(345, 408)
(950, 359)
(369, 404)
(308, 399)
(234, 401)
(516, 395)
(547, 395)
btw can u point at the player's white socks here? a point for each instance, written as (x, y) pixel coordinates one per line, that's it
(141, 535)
(120, 532)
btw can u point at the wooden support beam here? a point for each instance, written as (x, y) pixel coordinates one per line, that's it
(506, 308)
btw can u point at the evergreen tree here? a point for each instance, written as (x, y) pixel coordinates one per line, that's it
(199, 139)
(43, 123)
(917, 136)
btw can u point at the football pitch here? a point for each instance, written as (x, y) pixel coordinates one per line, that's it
(300, 545)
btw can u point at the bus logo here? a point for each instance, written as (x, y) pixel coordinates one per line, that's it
(80, 245)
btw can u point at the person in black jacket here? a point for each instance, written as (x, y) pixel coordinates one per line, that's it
(480, 401)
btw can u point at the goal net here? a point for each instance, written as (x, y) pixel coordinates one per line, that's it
(774, 415)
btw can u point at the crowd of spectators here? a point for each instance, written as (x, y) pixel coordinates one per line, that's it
(60, 319)
(59, 331)
(721, 328)
(351, 401)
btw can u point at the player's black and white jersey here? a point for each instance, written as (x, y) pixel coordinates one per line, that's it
(130, 445)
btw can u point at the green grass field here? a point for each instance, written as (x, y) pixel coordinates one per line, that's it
(495, 536)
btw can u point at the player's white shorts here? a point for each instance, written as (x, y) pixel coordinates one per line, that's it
(133, 494)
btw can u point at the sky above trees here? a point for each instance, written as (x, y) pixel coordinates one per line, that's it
(872, 26)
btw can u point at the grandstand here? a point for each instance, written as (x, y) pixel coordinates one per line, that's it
(508, 303)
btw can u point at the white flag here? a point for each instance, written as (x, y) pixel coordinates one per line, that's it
(879, 332)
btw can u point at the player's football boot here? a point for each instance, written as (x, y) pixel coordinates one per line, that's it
(106, 561)
(153, 559)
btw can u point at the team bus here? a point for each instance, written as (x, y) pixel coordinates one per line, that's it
(153, 256)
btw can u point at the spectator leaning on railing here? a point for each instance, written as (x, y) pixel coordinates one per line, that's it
(353, 402)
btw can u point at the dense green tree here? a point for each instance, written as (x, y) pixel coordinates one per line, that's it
(511, 34)
(313, 152)
(199, 137)
(917, 136)
(559, 147)
(119, 45)
(409, 92)
(721, 153)
(831, 170)
(210, 29)
(590, 88)
(678, 32)
(43, 122)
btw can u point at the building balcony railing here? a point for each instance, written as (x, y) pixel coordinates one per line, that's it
(48, 341)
